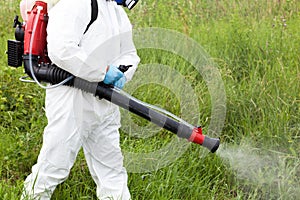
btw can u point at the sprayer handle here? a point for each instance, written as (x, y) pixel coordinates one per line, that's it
(124, 68)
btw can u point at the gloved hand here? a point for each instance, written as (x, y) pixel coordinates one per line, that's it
(112, 75)
(120, 83)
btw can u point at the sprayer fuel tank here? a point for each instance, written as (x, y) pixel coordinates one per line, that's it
(35, 34)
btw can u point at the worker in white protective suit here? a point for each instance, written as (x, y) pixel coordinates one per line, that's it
(77, 119)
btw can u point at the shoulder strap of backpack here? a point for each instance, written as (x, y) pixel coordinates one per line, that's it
(94, 14)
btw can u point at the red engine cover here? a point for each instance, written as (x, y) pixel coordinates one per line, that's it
(37, 22)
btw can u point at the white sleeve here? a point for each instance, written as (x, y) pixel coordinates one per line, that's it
(128, 53)
(68, 20)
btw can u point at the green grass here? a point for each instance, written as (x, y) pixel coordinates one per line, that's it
(256, 48)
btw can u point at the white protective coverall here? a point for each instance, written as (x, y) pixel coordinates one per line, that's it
(77, 119)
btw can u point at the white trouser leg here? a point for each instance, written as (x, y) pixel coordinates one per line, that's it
(56, 158)
(105, 160)
(61, 143)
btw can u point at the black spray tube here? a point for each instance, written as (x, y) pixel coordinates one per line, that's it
(52, 74)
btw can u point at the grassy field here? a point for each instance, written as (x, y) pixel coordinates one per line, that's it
(255, 46)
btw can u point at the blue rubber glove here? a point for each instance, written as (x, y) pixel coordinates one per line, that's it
(120, 83)
(112, 75)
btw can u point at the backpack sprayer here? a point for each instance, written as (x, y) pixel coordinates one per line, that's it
(30, 49)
